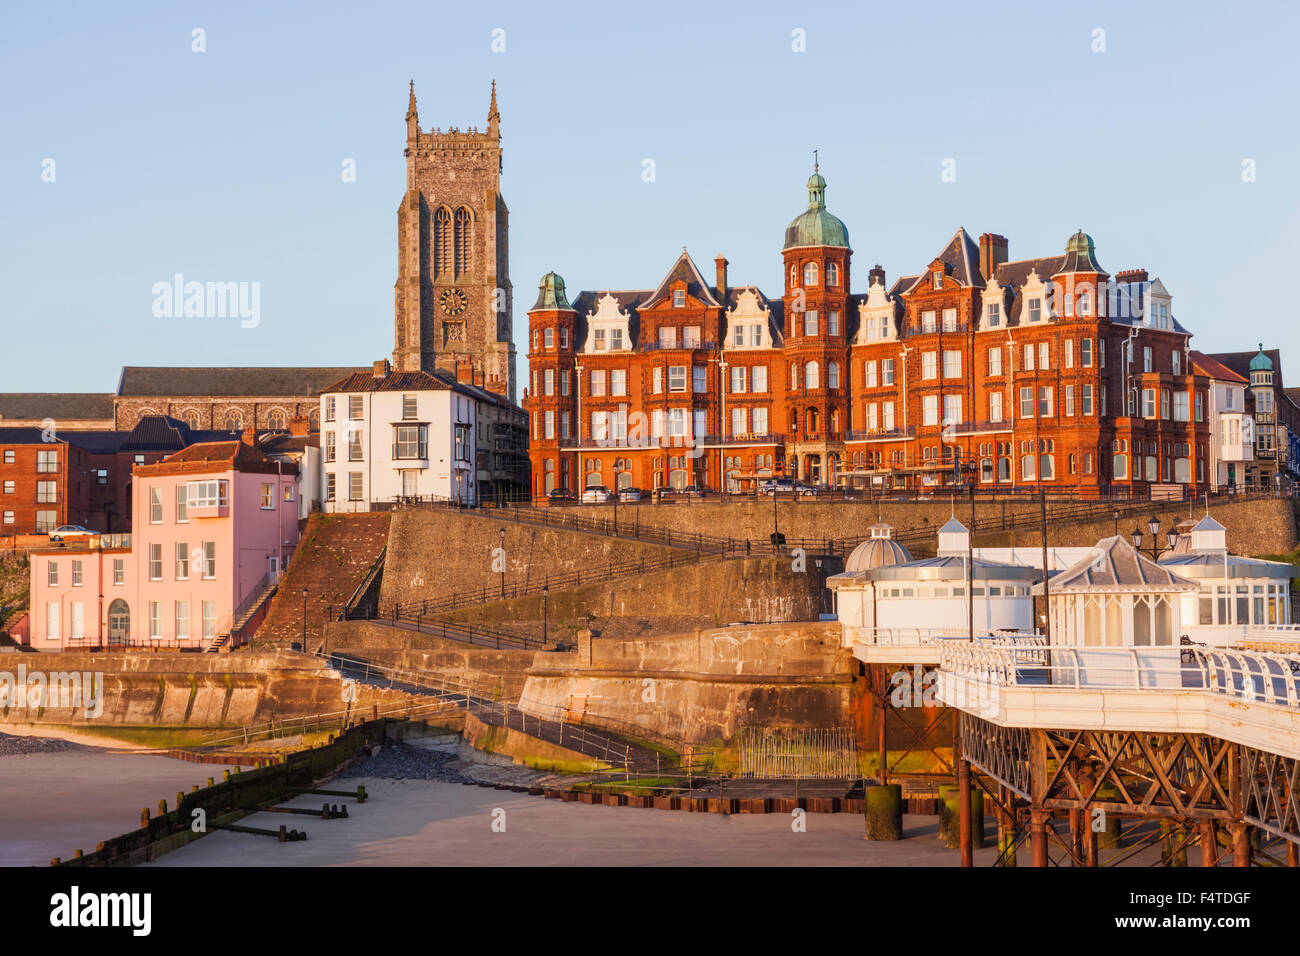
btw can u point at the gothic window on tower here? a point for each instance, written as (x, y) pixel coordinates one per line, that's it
(464, 234)
(442, 241)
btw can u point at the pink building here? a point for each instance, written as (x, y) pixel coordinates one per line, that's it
(215, 525)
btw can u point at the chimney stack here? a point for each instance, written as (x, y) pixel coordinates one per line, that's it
(876, 275)
(1131, 275)
(382, 368)
(721, 263)
(249, 437)
(298, 426)
(465, 372)
(993, 253)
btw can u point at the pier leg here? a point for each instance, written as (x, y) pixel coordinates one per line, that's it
(882, 712)
(1089, 842)
(1292, 853)
(963, 801)
(1007, 829)
(1209, 843)
(1240, 844)
(1038, 834)
(1076, 836)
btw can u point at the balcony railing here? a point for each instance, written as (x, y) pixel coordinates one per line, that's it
(880, 434)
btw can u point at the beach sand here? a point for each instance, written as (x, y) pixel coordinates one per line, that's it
(436, 823)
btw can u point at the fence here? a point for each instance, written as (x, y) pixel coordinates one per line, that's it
(773, 753)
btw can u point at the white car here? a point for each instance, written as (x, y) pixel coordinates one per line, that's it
(70, 531)
(597, 495)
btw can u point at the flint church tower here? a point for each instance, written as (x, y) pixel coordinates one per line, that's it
(453, 295)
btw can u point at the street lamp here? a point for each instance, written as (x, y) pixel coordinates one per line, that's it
(1115, 516)
(502, 556)
(546, 600)
(1154, 526)
(304, 620)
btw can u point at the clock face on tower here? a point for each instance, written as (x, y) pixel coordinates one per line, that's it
(452, 301)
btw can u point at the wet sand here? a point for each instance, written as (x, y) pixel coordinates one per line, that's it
(434, 823)
(54, 803)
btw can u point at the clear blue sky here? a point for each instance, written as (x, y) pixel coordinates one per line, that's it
(226, 165)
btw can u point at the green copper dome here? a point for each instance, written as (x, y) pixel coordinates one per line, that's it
(550, 293)
(1261, 362)
(1080, 255)
(816, 227)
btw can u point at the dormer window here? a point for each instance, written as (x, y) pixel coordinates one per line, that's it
(832, 274)
(1035, 309)
(600, 340)
(937, 280)
(995, 315)
(679, 298)
(810, 274)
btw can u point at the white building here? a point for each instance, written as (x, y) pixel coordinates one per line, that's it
(1232, 427)
(389, 435)
(883, 591)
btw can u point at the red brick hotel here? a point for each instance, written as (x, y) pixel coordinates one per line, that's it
(977, 369)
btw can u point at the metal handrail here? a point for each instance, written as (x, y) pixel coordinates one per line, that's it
(1253, 676)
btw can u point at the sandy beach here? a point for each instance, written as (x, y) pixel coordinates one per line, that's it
(436, 823)
(73, 796)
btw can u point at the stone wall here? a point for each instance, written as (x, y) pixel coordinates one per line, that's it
(701, 687)
(707, 593)
(1264, 526)
(502, 670)
(187, 691)
(434, 553)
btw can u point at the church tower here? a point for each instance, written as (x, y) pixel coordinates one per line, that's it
(453, 300)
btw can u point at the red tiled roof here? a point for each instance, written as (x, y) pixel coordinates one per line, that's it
(1215, 369)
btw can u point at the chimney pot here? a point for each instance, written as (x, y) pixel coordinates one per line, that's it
(382, 368)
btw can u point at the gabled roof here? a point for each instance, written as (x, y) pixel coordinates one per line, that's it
(61, 406)
(142, 381)
(962, 256)
(207, 457)
(683, 269)
(1114, 566)
(953, 526)
(1208, 524)
(1208, 365)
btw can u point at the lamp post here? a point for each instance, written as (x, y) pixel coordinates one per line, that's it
(616, 461)
(546, 601)
(304, 620)
(1153, 525)
(503, 563)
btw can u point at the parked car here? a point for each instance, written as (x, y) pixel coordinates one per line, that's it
(786, 486)
(696, 491)
(596, 495)
(70, 531)
(630, 494)
(560, 494)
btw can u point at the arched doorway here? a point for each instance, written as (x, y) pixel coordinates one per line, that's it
(119, 622)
